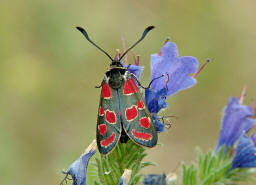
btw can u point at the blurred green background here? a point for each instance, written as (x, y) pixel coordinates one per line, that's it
(48, 103)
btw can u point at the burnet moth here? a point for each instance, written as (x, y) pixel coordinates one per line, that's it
(122, 111)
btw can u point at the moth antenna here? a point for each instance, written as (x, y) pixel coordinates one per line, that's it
(142, 37)
(88, 38)
(154, 80)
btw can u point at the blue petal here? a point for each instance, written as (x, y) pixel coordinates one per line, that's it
(155, 100)
(179, 69)
(154, 179)
(254, 138)
(237, 118)
(137, 70)
(158, 124)
(245, 154)
(78, 168)
(121, 181)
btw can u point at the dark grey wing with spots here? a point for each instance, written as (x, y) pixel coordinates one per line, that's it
(136, 119)
(108, 124)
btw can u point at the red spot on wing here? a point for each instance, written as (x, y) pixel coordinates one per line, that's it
(110, 117)
(109, 140)
(141, 105)
(145, 122)
(101, 111)
(130, 87)
(102, 129)
(106, 91)
(141, 135)
(131, 113)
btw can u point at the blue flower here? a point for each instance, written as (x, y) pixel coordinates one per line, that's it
(160, 126)
(78, 168)
(137, 70)
(154, 179)
(254, 138)
(245, 153)
(155, 100)
(237, 118)
(179, 69)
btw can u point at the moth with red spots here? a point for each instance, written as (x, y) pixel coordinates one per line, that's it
(122, 111)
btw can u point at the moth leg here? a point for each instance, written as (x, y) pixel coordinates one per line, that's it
(166, 121)
(64, 180)
(98, 86)
(149, 83)
(69, 178)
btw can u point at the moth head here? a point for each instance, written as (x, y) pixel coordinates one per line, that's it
(115, 63)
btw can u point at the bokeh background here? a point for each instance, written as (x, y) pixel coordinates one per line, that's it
(48, 103)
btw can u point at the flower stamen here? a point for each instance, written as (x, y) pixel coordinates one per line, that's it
(241, 98)
(201, 68)
(167, 40)
(137, 62)
(167, 81)
(118, 54)
(124, 49)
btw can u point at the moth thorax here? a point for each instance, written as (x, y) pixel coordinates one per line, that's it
(116, 79)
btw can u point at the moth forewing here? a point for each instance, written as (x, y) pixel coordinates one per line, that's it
(136, 119)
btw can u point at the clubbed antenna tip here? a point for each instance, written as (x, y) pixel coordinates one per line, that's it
(142, 37)
(88, 38)
(149, 28)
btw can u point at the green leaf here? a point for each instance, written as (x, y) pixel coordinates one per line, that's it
(220, 156)
(100, 171)
(185, 175)
(125, 156)
(96, 183)
(209, 180)
(211, 164)
(145, 164)
(135, 180)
